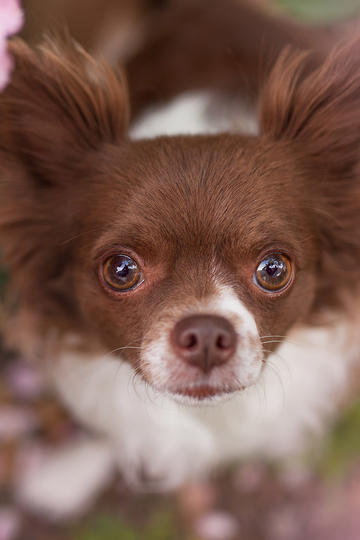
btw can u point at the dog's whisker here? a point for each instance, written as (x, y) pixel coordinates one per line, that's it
(117, 349)
(83, 233)
(277, 372)
(280, 356)
(280, 340)
(272, 336)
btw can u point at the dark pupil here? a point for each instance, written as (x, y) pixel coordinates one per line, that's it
(272, 271)
(274, 268)
(124, 269)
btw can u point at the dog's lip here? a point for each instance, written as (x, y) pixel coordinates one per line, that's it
(203, 391)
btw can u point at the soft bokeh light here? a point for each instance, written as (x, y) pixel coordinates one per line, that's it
(11, 21)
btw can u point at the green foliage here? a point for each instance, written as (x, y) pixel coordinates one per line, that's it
(342, 448)
(106, 527)
(320, 10)
(110, 527)
(161, 527)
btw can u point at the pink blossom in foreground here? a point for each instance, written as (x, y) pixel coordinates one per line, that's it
(11, 20)
(218, 525)
(9, 522)
(24, 380)
(15, 422)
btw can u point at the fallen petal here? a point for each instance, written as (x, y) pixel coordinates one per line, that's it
(217, 526)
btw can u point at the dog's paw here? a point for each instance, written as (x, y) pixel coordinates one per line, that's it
(167, 461)
(68, 480)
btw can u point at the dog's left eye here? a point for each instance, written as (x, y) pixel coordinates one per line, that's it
(121, 273)
(274, 272)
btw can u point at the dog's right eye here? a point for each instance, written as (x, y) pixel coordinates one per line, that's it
(274, 273)
(121, 273)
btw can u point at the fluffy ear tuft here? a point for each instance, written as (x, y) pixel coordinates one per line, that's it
(60, 102)
(321, 111)
(58, 115)
(317, 116)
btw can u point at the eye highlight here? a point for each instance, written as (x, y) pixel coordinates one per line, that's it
(274, 272)
(121, 273)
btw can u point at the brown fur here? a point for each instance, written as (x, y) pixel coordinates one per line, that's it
(320, 115)
(65, 101)
(228, 46)
(73, 188)
(88, 20)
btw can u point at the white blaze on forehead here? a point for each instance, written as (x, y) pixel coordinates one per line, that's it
(226, 303)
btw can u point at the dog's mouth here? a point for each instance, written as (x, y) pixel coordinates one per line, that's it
(189, 387)
(203, 391)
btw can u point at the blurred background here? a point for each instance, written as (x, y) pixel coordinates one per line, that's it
(315, 500)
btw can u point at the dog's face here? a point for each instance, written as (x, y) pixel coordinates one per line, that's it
(194, 256)
(189, 257)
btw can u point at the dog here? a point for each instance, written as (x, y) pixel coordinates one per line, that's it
(193, 299)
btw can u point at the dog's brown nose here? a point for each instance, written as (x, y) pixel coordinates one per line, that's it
(204, 341)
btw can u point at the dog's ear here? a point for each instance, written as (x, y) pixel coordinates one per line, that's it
(321, 110)
(59, 114)
(60, 105)
(317, 116)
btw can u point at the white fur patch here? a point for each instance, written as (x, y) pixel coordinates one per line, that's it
(298, 391)
(150, 434)
(164, 369)
(195, 113)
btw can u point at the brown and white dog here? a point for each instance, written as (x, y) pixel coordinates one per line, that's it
(154, 277)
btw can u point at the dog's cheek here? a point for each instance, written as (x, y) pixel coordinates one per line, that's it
(276, 316)
(115, 323)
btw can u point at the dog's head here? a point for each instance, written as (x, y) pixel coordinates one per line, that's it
(189, 257)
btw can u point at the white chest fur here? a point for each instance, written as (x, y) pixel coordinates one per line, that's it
(300, 388)
(196, 113)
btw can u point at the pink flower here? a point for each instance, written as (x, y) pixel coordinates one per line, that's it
(15, 422)
(11, 20)
(24, 380)
(9, 521)
(217, 525)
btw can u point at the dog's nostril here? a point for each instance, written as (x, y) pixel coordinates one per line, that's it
(223, 342)
(204, 340)
(191, 341)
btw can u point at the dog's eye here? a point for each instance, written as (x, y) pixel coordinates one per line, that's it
(121, 273)
(274, 272)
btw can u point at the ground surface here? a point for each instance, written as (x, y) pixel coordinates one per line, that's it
(319, 500)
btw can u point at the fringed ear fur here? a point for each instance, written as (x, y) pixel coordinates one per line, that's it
(320, 111)
(318, 115)
(59, 111)
(61, 102)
